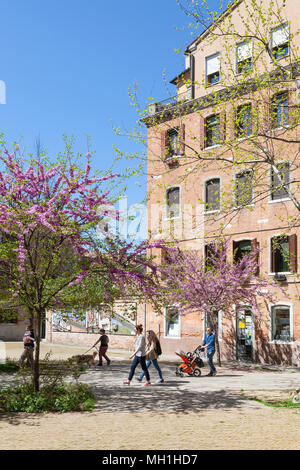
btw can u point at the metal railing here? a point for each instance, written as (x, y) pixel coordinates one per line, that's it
(154, 108)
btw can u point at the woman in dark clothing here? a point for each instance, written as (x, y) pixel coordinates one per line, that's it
(103, 340)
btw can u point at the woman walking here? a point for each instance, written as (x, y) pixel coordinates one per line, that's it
(139, 356)
(152, 356)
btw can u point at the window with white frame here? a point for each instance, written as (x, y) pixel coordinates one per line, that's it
(244, 120)
(244, 57)
(280, 180)
(172, 322)
(212, 68)
(212, 130)
(212, 195)
(173, 138)
(244, 188)
(173, 202)
(281, 323)
(280, 37)
(280, 110)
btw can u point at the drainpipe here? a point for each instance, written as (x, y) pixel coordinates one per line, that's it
(192, 63)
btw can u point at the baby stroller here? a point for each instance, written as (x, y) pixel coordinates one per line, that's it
(191, 364)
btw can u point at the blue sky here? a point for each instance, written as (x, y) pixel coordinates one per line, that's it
(67, 66)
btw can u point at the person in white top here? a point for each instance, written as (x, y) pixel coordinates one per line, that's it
(139, 357)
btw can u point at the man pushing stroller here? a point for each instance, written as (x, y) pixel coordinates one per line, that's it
(209, 345)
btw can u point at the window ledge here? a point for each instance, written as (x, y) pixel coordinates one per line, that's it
(245, 206)
(246, 137)
(279, 200)
(281, 128)
(240, 74)
(172, 337)
(212, 147)
(273, 61)
(208, 85)
(283, 273)
(278, 341)
(212, 212)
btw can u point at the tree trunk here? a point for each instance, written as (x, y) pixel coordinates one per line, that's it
(36, 366)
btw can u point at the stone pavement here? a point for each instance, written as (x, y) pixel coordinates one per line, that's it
(180, 394)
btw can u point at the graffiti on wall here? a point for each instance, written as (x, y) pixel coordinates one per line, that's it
(117, 320)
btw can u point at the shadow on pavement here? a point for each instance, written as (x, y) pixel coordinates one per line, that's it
(162, 399)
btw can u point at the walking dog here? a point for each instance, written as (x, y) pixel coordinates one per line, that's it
(88, 359)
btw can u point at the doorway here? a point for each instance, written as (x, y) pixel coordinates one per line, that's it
(244, 335)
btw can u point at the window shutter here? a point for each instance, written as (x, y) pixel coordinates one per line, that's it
(202, 133)
(280, 35)
(164, 142)
(255, 246)
(222, 127)
(244, 50)
(213, 64)
(293, 252)
(234, 249)
(273, 254)
(292, 110)
(182, 139)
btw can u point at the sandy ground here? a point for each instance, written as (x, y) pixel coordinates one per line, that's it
(250, 429)
(183, 413)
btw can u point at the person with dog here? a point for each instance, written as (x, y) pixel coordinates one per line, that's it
(152, 350)
(103, 340)
(28, 341)
(139, 357)
(209, 344)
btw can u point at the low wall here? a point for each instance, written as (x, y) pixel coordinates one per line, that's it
(88, 339)
(13, 331)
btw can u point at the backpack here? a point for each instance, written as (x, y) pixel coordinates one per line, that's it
(158, 348)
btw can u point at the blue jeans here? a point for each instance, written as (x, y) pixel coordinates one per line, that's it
(156, 365)
(210, 361)
(135, 362)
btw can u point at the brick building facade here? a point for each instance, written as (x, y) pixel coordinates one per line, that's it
(230, 104)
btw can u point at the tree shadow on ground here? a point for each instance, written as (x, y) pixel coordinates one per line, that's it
(162, 399)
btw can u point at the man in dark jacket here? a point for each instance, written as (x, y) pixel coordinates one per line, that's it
(209, 344)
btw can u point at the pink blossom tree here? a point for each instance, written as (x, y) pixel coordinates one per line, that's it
(213, 284)
(48, 249)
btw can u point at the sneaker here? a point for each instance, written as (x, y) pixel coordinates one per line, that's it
(147, 384)
(127, 382)
(99, 364)
(138, 379)
(160, 381)
(108, 363)
(209, 375)
(214, 373)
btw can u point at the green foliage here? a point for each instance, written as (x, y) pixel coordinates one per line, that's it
(60, 398)
(9, 366)
(275, 403)
(55, 394)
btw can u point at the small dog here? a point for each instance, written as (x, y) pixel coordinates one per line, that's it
(88, 359)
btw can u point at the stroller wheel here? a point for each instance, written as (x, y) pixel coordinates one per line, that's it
(178, 372)
(197, 372)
